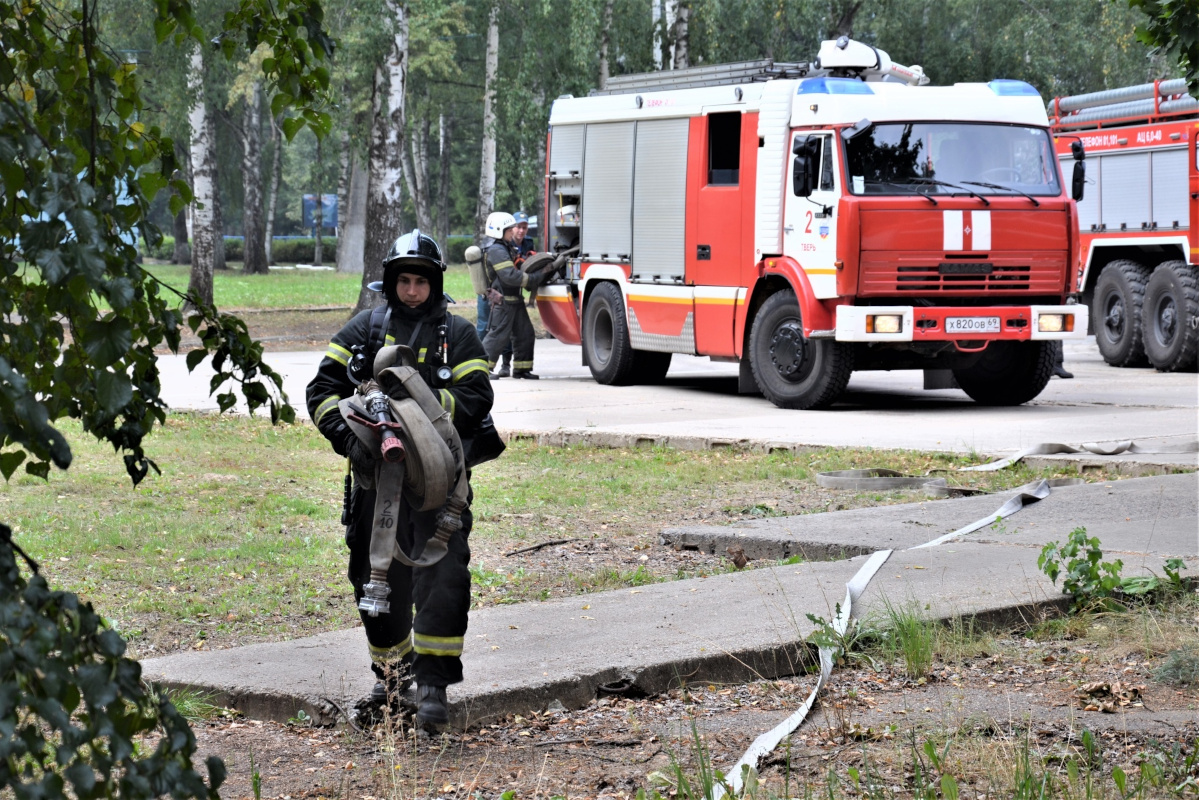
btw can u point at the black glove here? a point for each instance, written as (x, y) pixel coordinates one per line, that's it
(361, 456)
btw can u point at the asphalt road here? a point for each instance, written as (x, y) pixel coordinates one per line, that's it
(879, 409)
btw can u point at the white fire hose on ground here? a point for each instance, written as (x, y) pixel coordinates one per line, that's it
(887, 479)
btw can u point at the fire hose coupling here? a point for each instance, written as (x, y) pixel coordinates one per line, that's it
(374, 600)
(377, 415)
(448, 522)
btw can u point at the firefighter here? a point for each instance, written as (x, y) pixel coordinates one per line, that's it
(510, 319)
(427, 647)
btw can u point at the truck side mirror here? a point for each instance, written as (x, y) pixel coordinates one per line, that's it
(805, 165)
(1077, 177)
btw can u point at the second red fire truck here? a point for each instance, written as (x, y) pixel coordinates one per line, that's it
(1138, 220)
(808, 220)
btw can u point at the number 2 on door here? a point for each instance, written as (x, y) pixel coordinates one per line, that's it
(808, 225)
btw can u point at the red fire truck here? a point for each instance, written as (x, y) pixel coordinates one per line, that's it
(1137, 219)
(809, 219)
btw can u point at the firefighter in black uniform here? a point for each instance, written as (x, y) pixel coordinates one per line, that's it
(427, 648)
(510, 319)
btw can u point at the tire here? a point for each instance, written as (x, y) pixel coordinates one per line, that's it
(606, 337)
(649, 367)
(1117, 310)
(792, 371)
(1008, 373)
(1169, 317)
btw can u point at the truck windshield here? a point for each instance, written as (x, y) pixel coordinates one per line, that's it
(925, 157)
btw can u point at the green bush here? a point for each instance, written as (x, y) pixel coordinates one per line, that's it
(456, 246)
(285, 251)
(73, 708)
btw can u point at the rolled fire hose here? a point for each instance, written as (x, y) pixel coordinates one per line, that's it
(431, 475)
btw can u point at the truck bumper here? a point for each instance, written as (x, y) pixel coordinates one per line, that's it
(964, 323)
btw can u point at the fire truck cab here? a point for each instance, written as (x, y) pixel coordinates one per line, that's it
(807, 220)
(1138, 219)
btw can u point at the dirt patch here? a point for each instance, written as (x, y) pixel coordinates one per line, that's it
(1015, 701)
(290, 329)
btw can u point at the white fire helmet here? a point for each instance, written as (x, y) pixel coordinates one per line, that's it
(497, 223)
(568, 215)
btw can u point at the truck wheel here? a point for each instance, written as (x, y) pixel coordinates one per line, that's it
(606, 336)
(649, 367)
(1169, 316)
(1117, 309)
(1008, 373)
(792, 371)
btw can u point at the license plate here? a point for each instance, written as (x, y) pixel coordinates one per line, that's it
(972, 324)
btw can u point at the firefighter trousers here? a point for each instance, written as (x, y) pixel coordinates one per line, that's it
(510, 323)
(432, 640)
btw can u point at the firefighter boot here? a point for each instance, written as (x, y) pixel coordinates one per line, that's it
(505, 367)
(432, 712)
(524, 373)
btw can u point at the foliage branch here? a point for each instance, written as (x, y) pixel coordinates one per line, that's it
(75, 718)
(79, 318)
(1171, 26)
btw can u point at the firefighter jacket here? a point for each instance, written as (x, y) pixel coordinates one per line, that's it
(467, 396)
(503, 260)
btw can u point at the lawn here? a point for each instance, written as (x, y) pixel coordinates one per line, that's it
(292, 288)
(239, 539)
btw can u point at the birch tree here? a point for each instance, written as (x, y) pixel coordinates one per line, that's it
(682, 12)
(487, 163)
(273, 190)
(204, 187)
(254, 252)
(605, 39)
(384, 169)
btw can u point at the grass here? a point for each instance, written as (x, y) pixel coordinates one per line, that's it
(239, 539)
(909, 636)
(233, 289)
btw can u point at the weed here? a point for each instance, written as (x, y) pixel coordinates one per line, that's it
(196, 706)
(255, 778)
(1088, 579)
(301, 719)
(910, 636)
(1180, 667)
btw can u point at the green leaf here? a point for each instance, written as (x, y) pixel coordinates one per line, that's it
(195, 357)
(278, 103)
(291, 126)
(10, 461)
(107, 342)
(113, 390)
(226, 401)
(38, 469)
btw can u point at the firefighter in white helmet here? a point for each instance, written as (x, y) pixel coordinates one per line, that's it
(509, 319)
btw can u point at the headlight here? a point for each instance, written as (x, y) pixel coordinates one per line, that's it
(1055, 323)
(884, 323)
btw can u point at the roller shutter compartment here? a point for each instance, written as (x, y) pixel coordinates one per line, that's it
(659, 199)
(606, 216)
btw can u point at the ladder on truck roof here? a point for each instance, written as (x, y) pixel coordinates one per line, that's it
(704, 76)
(1147, 101)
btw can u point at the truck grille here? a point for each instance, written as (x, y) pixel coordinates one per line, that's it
(890, 274)
(928, 279)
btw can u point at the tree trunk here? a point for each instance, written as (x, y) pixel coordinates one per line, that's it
(350, 258)
(218, 219)
(681, 37)
(204, 190)
(182, 254)
(273, 192)
(254, 253)
(445, 137)
(605, 37)
(487, 164)
(318, 215)
(343, 195)
(844, 12)
(414, 159)
(663, 13)
(383, 193)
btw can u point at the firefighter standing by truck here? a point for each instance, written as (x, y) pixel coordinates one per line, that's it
(450, 360)
(510, 319)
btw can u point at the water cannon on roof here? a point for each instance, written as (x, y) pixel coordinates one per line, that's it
(846, 58)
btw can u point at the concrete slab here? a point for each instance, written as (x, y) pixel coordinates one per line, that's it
(1154, 516)
(699, 408)
(722, 628)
